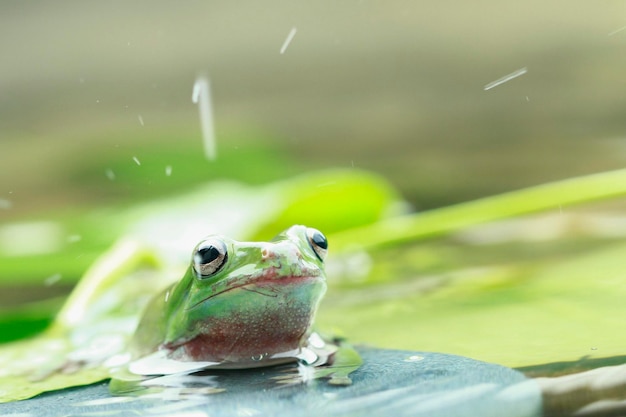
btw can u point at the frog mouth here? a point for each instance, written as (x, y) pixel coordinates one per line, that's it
(269, 284)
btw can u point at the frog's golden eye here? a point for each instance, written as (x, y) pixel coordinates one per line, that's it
(209, 257)
(318, 242)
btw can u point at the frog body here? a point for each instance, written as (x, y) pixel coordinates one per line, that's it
(239, 304)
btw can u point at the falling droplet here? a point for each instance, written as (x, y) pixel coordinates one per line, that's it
(110, 174)
(508, 77)
(140, 119)
(136, 160)
(414, 358)
(290, 36)
(201, 95)
(168, 170)
(616, 31)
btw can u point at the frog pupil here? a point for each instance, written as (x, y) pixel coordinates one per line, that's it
(319, 240)
(318, 243)
(208, 254)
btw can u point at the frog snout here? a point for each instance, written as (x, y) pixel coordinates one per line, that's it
(270, 253)
(267, 254)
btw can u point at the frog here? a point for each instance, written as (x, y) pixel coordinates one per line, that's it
(239, 304)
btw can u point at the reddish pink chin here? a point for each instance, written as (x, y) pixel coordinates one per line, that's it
(241, 338)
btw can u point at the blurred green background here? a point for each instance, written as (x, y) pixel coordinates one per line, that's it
(395, 87)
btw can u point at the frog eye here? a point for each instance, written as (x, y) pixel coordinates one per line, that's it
(318, 242)
(209, 257)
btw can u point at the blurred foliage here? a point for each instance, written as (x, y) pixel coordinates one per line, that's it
(423, 281)
(517, 303)
(251, 159)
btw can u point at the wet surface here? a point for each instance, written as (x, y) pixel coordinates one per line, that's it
(390, 382)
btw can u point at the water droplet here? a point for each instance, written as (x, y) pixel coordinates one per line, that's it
(136, 160)
(506, 78)
(140, 119)
(168, 170)
(52, 279)
(110, 174)
(414, 358)
(201, 95)
(290, 36)
(307, 356)
(316, 341)
(340, 380)
(74, 238)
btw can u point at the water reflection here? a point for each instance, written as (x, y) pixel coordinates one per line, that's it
(333, 363)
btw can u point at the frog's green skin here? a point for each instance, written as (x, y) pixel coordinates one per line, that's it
(251, 305)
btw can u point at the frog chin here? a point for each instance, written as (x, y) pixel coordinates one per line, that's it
(246, 350)
(270, 329)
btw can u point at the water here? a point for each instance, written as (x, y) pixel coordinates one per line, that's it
(320, 361)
